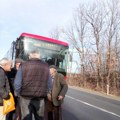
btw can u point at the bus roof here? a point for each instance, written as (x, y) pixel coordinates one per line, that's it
(44, 38)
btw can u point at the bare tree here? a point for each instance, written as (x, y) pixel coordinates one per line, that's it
(94, 16)
(111, 35)
(76, 36)
(94, 33)
(56, 33)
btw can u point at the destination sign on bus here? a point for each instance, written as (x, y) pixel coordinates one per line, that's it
(42, 44)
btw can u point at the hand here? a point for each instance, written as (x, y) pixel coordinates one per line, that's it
(60, 97)
(49, 97)
(8, 97)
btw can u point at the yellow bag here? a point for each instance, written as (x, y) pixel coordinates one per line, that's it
(8, 105)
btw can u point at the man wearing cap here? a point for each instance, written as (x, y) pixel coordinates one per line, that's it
(11, 76)
(18, 61)
(59, 89)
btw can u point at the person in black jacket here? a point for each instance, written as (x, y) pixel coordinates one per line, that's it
(5, 65)
(14, 115)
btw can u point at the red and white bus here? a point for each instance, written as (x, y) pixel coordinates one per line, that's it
(52, 51)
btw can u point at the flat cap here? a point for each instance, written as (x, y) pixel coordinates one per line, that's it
(18, 60)
(52, 66)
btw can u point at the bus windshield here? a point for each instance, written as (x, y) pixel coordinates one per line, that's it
(52, 53)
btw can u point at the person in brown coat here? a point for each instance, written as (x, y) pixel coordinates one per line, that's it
(55, 99)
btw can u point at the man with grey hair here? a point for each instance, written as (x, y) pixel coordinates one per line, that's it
(34, 54)
(5, 65)
(32, 83)
(56, 97)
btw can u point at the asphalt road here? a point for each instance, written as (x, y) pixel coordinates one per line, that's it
(81, 105)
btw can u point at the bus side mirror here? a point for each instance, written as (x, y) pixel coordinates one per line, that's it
(17, 44)
(70, 57)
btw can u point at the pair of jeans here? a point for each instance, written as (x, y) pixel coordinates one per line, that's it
(32, 109)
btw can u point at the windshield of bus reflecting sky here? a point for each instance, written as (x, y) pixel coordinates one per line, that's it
(51, 53)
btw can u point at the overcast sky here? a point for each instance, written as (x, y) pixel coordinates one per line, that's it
(32, 16)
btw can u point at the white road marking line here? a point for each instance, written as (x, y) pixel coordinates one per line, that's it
(93, 106)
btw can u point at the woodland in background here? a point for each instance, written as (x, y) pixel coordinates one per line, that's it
(89, 81)
(95, 34)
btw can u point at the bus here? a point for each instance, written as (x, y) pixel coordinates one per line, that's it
(54, 52)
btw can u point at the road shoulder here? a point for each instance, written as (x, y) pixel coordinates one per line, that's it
(96, 93)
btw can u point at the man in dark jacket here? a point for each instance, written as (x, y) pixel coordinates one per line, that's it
(59, 89)
(14, 115)
(32, 83)
(5, 65)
